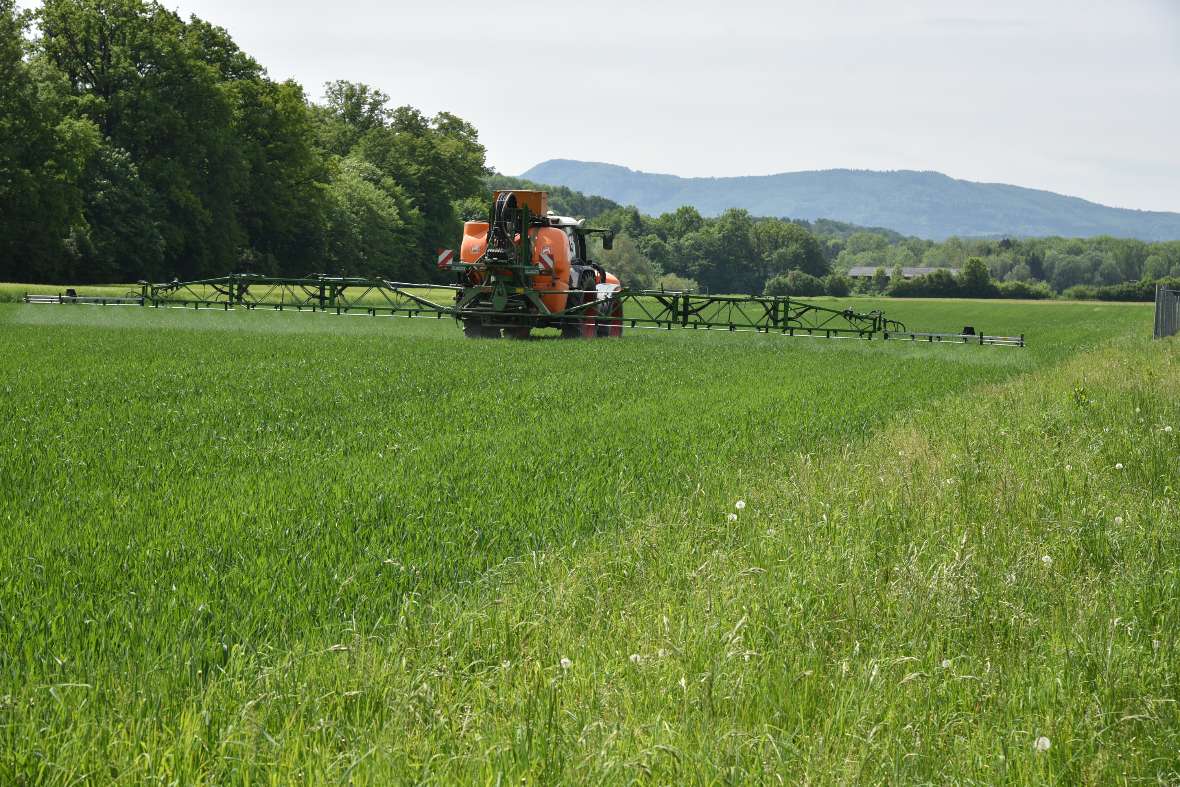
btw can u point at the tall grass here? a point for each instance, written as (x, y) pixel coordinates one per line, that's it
(251, 546)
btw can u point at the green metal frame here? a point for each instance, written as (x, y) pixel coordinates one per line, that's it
(653, 309)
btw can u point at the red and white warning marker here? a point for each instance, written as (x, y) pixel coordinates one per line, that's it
(445, 257)
(547, 259)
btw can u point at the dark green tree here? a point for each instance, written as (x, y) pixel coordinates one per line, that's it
(371, 225)
(119, 241)
(782, 246)
(880, 279)
(132, 72)
(43, 155)
(731, 264)
(795, 282)
(975, 281)
(430, 164)
(627, 262)
(350, 110)
(679, 223)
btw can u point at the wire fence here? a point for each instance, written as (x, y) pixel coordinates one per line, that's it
(1167, 312)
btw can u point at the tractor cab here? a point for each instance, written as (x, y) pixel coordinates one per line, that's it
(585, 273)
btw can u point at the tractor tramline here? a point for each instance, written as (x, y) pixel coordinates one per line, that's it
(527, 268)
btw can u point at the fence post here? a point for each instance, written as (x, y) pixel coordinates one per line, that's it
(1167, 311)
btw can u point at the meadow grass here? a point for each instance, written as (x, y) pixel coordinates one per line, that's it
(14, 292)
(276, 547)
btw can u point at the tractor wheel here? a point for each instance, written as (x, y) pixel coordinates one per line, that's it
(611, 323)
(586, 323)
(586, 326)
(589, 326)
(474, 329)
(571, 330)
(517, 333)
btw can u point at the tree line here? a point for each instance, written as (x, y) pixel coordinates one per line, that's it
(136, 144)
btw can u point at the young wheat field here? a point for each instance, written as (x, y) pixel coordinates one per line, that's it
(295, 548)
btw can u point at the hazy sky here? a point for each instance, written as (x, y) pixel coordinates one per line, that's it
(1073, 96)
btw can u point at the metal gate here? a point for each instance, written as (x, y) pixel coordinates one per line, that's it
(1167, 312)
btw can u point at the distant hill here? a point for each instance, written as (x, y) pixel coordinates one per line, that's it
(569, 202)
(925, 204)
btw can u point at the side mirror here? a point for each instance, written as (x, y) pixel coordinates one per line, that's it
(608, 241)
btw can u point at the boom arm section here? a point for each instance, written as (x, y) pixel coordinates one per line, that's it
(655, 309)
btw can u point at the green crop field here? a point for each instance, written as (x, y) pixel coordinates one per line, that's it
(295, 548)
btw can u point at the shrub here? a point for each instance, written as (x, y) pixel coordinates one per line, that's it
(1136, 291)
(1026, 290)
(1127, 291)
(939, 284)
(795, 282)
(1081, 292)
(837, 285)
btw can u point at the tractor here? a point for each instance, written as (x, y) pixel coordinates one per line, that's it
(526, 267)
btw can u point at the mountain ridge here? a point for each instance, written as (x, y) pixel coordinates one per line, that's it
(923, 203)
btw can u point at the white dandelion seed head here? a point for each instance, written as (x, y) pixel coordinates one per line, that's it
(739, 505)
(1118, 520)
(566, 663)
(662, 653)
(946, 663)
(1048, 561)
(1168, 429)
(636, 658)
(732, 517)
(1042, 744)
(1118, 466)
(1068, 468)
(683, 682)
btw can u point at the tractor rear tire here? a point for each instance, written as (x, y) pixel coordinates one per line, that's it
(584, 327)
(573, 328)
(474, 329)
(585, 324)
(610, 324)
